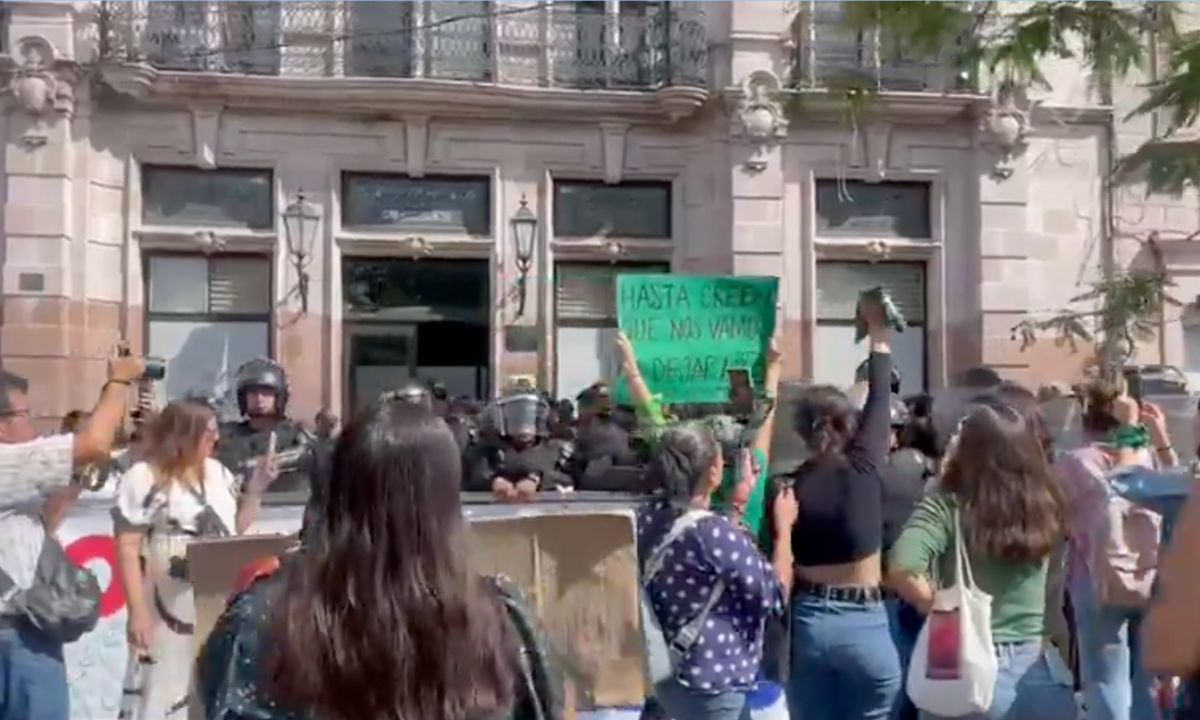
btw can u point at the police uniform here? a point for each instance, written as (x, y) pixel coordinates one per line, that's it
(499, 455)
(241, 445)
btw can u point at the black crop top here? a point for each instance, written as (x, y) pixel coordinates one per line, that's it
(841, 517)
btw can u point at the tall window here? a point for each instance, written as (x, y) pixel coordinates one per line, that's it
(206, 316)
(225, 197)
(449, 204)
(636, 210)
(838, 286)
(381, 38)
(586, 321)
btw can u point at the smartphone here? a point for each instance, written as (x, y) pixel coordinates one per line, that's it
(741, 391)
(1133, 382)
(943, 661)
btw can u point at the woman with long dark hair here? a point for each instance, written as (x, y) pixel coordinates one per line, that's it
(996, 482)
(692, 560)
(845, 665)
(378, 615)
(178, 494)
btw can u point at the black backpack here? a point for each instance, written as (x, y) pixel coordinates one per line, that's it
(540, 697)
(64, 600)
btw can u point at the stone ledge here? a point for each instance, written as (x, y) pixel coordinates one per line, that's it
(386, 96)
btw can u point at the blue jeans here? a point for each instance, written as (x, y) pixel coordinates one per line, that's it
(33, 678)
(680, 703)
(1116, 685)
(844, 663)
(906, 623)
(1025, 687)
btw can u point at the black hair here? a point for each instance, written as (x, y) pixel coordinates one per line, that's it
(10, 383)
(825, 418)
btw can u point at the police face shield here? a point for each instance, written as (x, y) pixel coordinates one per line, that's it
(521, 418)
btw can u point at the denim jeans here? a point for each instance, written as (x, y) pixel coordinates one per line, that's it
(906, 623)
(1116, 685)
(33, 678)
(680, 703)
(1026, 689)
(844, 663)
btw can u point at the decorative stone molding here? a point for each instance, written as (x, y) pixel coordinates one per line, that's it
(37, 80)
(435, 98)
(758, 117)
(416, 134)
(132, 79)
(206, 127)
(613, 136)
(1006, 128)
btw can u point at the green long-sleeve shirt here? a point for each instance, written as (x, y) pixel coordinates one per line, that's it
(926, 547)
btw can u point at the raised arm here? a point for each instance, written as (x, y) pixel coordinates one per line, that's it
(762, 441)
(870, 441)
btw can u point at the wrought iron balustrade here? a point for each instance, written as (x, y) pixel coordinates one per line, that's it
(830, 54)
(644, 46)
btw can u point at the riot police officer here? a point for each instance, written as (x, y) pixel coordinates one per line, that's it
(412, 393)
(262, 395)
(603, 459)
(515, 456)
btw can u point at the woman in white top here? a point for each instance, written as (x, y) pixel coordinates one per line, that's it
(177, 494)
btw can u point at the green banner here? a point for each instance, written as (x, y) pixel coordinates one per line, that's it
(689, 331)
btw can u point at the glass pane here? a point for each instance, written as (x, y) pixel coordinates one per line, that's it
(839, 283)
(178, 284)
(240, 285)
(188, 196)
(587, 293)
(630, 210)
(175, 35)
(838, 356)
(379, 362)
(417, 290)
(380, 43)
(892, 209)
(451, 204)
(203, 356)
(251, 37)
(460, 40)
(585, 355)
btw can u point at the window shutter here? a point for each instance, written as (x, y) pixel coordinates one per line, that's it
(240, 286)
(586, 294)
(839, 283)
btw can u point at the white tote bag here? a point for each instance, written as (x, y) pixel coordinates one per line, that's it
(953, 668)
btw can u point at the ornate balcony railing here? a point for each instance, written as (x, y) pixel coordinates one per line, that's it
(646, 45)
(831, 54)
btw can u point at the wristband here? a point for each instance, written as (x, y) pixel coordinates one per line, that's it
(1132, 437)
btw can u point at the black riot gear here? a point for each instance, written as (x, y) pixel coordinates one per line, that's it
(860, 376)
(520, 415)
(262, 373)
(412, 393)
(515, 445)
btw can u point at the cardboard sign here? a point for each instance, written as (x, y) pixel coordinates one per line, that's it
(689, 331)
(576, 565)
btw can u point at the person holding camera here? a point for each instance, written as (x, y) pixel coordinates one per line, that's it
(32, 468)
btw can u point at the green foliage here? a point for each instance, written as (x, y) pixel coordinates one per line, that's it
(1126, 309)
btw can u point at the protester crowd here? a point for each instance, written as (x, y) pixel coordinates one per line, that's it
(902, 557)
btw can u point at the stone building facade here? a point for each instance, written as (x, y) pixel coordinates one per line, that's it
(334, 184)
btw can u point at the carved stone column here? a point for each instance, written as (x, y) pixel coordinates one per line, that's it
(49, 332)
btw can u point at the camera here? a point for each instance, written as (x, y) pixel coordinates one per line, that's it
(156, 369)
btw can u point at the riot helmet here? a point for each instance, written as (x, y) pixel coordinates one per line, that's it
(862, 375)
(262, 373)
(522, 415)
(412, 394)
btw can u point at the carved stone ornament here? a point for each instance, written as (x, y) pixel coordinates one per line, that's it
(1006, 129)
(758, 117)
(37, 80)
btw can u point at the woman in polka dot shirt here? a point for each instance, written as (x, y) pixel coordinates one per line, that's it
(714, 674)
